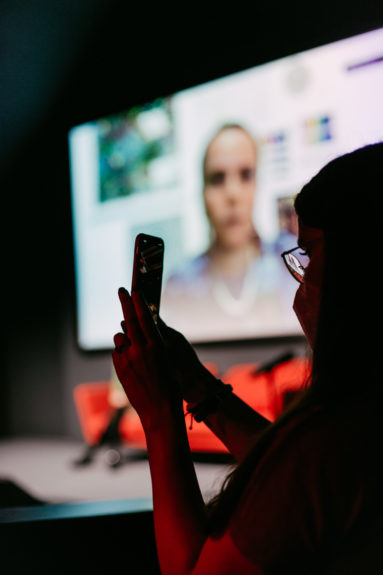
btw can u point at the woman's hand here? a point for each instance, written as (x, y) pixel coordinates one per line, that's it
(196, 381)
(141, 362)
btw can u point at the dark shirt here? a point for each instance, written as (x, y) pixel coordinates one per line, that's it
(316, 492)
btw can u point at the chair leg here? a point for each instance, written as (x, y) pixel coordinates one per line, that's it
(111, 437)
(112, 433)
(87, 456)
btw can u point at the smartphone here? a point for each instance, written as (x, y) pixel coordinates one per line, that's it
(147, 270)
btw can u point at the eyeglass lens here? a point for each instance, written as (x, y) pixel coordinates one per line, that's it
(296, 266)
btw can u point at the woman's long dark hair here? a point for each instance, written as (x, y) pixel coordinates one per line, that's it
(345, 200)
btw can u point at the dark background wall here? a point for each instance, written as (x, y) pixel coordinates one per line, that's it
(64, 62)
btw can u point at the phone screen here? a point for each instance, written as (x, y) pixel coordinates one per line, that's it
(147, 270)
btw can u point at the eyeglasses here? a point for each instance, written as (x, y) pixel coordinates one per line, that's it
(295, 265)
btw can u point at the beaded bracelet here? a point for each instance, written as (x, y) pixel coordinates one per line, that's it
(199, 411)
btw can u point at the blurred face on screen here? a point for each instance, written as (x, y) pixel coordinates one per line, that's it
(229, 186)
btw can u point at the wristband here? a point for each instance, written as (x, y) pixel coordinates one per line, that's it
(199, 411)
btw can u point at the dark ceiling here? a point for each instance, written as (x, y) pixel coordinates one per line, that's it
(75, 59)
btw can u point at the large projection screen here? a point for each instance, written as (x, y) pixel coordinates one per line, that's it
(141, 171)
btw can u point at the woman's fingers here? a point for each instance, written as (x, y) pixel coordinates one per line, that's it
(138, 325)
(145, 317)
(132, 325)
(121, 342)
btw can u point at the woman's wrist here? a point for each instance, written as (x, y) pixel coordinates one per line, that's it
(210, 403)
(162, 418)
(205, 385)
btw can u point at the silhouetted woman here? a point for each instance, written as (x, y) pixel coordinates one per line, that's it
(306, 495)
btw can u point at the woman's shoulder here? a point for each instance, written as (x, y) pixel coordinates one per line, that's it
(310, 485)
(344, 421)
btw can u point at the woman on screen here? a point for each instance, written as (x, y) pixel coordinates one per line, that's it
(235, 284)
